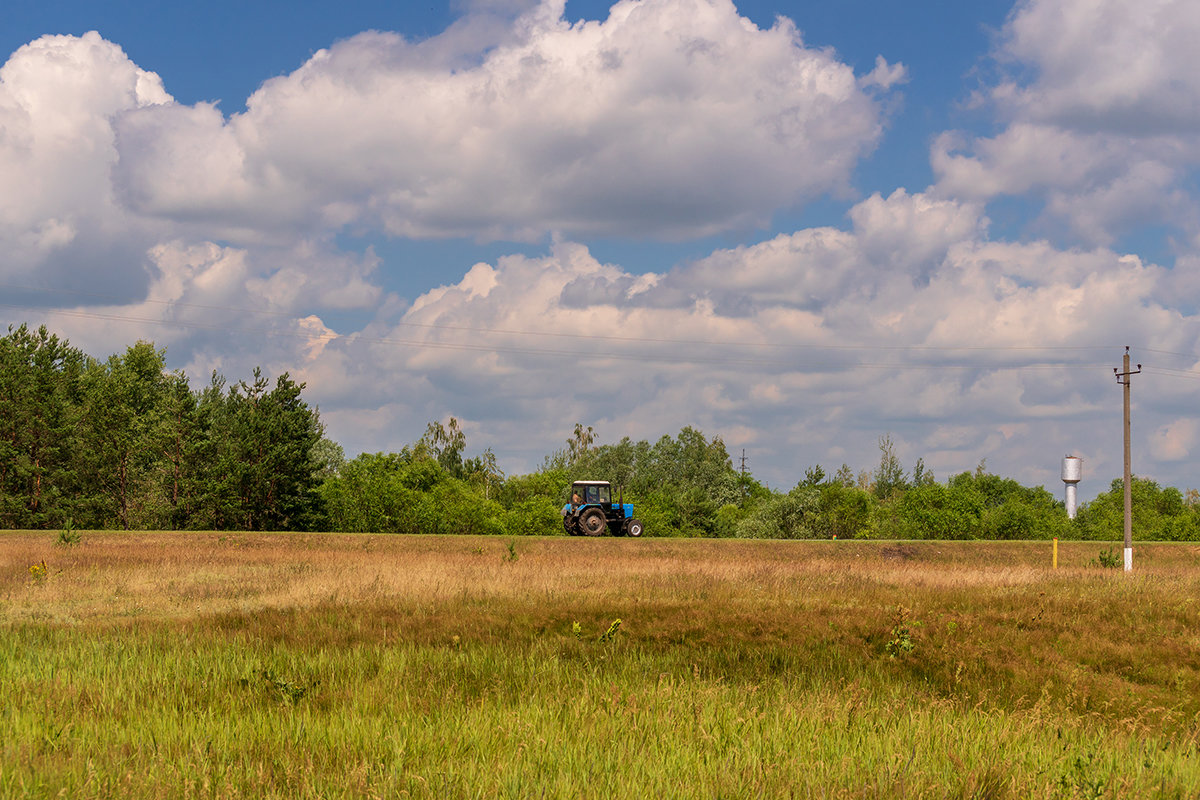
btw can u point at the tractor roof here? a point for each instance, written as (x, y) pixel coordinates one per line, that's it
(591, 483)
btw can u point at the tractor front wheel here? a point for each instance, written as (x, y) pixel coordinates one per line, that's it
(593, 522)
(634, 527)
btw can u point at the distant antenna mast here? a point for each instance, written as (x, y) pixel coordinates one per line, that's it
(743, 478)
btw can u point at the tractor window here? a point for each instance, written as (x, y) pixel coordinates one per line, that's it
(595, 494)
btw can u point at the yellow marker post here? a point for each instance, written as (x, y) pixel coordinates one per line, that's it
(1056, 553)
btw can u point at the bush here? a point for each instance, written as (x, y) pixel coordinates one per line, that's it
(534, 517)
(794, 515)
(1158, 514)
(934, 511)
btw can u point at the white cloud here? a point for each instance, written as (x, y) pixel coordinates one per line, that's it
(58, 96)
(1126, 66)
(885, 75)
(670, 118)
(1101, 117)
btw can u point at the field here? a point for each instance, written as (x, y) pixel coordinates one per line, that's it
(246, 665)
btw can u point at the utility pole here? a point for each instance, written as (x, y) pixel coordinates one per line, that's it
(1123, 378)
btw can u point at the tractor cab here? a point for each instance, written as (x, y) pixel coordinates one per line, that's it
(591, 493)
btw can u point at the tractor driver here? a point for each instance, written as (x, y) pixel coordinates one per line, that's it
(574, 498)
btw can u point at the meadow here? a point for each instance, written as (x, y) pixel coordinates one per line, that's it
(184, 665)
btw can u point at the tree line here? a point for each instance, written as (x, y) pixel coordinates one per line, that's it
(127, 444)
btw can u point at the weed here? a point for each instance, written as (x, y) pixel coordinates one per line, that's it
(68, 536)
(512, 555)
(1083, 778)
(900, 639)
(1109, 559)
(612, 631)
(290, 691)
(577, 630)
(39, 572)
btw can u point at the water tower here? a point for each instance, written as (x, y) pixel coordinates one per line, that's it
(1072, 473)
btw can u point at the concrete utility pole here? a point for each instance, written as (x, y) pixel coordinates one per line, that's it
(1123, 379)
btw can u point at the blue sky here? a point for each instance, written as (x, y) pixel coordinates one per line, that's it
(934, 220)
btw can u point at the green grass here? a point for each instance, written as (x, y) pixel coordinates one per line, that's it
(176, 714)
(307, 666)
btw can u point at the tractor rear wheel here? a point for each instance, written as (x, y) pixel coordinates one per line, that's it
(593, 522)
(634, 527)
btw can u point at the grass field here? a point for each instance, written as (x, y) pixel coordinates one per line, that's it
(293, 665)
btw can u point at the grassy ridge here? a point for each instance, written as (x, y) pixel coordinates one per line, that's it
(355, 666)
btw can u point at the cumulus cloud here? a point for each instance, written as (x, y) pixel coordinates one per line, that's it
(1100, 114)
(58, 96)
(670, 118)
(667, 119)
(1124, 66)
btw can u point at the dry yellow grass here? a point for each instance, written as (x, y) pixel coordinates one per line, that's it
(182, 575)
(176, 576)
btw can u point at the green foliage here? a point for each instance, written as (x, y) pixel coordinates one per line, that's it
(1159, 514)
(794, 515)
(125, 444)
(845, 511)
(1109, 559)
(533, 517)
(68, 536)
(677, 484)
(889, 478)
(446, 444)
(40, 391)
(123, 435)
(260, 472)
(290, 691)
(408, 492)
(612, 631)
(900, 638)
(936, 511)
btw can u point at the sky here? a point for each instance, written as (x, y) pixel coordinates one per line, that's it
(800, 227)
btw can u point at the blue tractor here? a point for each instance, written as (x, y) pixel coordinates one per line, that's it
(592, 511)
